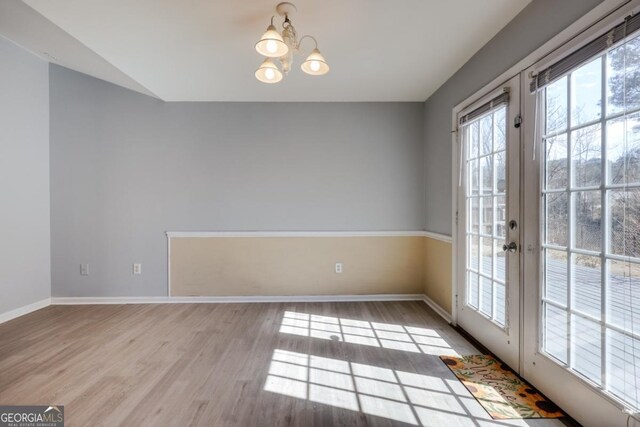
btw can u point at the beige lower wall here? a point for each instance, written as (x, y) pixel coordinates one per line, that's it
(437, 272)
(256, 266)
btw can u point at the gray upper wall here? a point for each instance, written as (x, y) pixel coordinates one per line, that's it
(25, 275)
(530, 29)
(125, 168)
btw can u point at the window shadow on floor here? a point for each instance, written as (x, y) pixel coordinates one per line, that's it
(404, 397)
(374, 334)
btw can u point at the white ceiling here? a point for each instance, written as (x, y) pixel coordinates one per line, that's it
(32, 31)
(203, 50)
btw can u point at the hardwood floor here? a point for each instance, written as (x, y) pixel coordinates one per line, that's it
(303, 364)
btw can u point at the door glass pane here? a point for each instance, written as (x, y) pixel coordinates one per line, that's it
(473, 145)
(556, 106)
(486, 255)
(500, 172)
(623, 149)
(474, 177)
(586, 91)
(486, 296)
(500, 130)
(474, 214)
(498, 254)
(623, 359)
(473, 290)
(555, 332)
(487, 215)
(623, 282)
(486, 171)
(501, 303)
(557, 218)
(556, 164)
(500, 230)
(585, 346)
(587, 220)
(486, 132)
(586, 146)
(587, 287)
(624, 224)
(500, 262)
(474, 252)
(556, 276)
(623, 67)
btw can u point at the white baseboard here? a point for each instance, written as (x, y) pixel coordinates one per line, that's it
(21, 311)
(437, 308)
(234, 299)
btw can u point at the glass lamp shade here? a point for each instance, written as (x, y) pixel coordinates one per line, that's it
(268, 72)
(315, 64)
(271, 44)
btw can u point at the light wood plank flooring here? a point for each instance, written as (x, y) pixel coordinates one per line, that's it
(302, 364)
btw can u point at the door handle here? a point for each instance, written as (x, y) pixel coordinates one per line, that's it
(510, 247)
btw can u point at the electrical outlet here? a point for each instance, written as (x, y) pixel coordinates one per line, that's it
(137, 268)
(338, 267)
(84, 269)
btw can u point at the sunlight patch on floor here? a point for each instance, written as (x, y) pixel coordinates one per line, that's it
(374, 334)
(406, 397)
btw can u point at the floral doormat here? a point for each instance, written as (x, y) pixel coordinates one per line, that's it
(500, 391)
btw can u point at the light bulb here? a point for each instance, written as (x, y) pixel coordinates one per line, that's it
(315, 64)
(272, 46)
(269, 73)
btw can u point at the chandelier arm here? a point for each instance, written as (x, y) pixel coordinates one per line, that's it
(307, 36)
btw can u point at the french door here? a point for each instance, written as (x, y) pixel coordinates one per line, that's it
(547, 232)
(488, 302)
(581, 251)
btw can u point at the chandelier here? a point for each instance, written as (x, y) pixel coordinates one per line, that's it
(276, 46)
